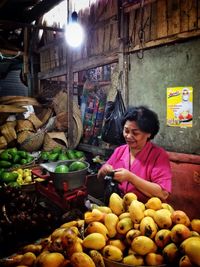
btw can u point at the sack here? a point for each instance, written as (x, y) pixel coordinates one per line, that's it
(112, 131)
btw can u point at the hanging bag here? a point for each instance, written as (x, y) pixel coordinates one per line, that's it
(112, 131)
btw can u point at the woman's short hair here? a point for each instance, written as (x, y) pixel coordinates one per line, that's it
(146, 119)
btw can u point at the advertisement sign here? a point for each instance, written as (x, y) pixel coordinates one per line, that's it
(180, 106)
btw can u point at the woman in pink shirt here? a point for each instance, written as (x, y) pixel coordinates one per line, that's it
(140, 166)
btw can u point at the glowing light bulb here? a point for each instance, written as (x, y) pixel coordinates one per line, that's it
(74, 34)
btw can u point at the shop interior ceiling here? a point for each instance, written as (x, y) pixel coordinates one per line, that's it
(15, 15)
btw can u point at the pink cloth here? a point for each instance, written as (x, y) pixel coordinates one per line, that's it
(151, 163)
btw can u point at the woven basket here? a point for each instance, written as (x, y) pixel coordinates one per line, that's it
(24, 125)
(37, 123)
(22, 136)
(61, 121)
(60, 102)
(33, 142)
(54, 139)
(45, 115)
(8, 131)
(3, 142)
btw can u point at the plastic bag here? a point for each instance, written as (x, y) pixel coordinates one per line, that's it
(112, 131)
(110, 186)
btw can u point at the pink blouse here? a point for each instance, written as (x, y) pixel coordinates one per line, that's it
(151, 164)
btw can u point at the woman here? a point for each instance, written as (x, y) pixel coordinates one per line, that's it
(140, 166)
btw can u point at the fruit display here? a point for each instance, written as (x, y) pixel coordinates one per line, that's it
(60, 154)
(24, 217)
(127, 232)
(11, 158)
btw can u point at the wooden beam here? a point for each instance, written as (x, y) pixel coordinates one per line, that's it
(15, 25)
(164, 41)
(131, 7)
(40, 9)
(95, 61)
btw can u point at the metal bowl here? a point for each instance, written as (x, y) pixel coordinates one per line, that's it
(66, 181)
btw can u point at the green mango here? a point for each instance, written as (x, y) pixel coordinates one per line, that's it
(44, 155)
(56, 150)
(63, 156)
(8, 177)
(53, 156)
(22, 154)
(5, 164)
(71, 154)
(5, 155)
(16, 158)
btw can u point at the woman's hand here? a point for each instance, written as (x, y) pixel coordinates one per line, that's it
(122, 175)
(105, 169)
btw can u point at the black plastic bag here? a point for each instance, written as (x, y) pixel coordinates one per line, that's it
(110, 186)
(112, 131)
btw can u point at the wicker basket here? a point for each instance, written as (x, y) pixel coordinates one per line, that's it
(24, 125)
(8, 131)
(61, 121)
(37, 123)
(33, 142)
(54, 139)
(3, 142)
(22, 136)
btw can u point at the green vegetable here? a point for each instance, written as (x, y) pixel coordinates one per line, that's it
(5, 164)
(22, 154)
(5, 156)
(16, 158)
(8, 177)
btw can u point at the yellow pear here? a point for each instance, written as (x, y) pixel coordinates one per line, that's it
(124, 225)
(143, 245)
(180, 217)
(163, 218)
(191, 248)
(195, 225)
(154, 203)
(133, 260)
(154, 259)
(148, 227)
(170, 253)
(136, 211)
(180, 232)
(131, 234)
(53, 259)
(116, 204)
(163, 237)
(128, 198)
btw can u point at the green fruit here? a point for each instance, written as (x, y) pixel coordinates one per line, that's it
(79, 154)
(71, 154)
(22, 154)
(76, 166)
(29, 158)
(62, 157)
(23, 161)
(12, 151)
(53, 156)
(16, 158)
(5, 155)
(44, 155)
(61, 169)
(5, 164)
(8, 177)
(14, 184)
(56, 150)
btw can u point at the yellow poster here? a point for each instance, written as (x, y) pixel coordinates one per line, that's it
(180, 106)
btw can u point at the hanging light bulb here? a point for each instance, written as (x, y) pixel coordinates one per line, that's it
(74, 34)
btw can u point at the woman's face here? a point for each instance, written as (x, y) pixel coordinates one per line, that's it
(134, 137)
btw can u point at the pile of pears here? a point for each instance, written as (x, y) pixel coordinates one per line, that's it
(126, 232)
